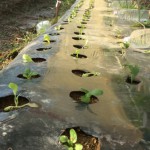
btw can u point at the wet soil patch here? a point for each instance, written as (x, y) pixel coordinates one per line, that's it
(43, 49)
(78, 56)
(80, 27)
(89, 142)
(38, 60)
(9, 101)
(33, 77)
(81, 72)
(76, 95)
(135, 81)
(78, 33)
(79, 46)
(78, 38)
(51, 41)
(54, 34)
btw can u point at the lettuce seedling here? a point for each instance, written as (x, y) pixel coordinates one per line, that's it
(87, 97)
(26, 58)
(28, 73)
(47, 38)
(14, 88)
(134, 70)
(77, 53)
(58, 27)
(71, 142)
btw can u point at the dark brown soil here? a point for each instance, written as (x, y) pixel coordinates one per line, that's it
(38, 60)
(76, 95)
(89, 142)
(81, 72)
(136, 81)
(51, 41)
(54, 34)
(79, 56)
(78, 38)
(77, 33)
(43, 49)
(9, 101)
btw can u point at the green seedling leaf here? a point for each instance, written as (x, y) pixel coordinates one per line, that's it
(27, 58)
(88, 94)
(14, 88)
(47, 38)
(70, 148)
(147, 51)
(9, 108)
(63, 139)
(32, 105)
(58, 27)
(73, 136)
(84, 90)
(28, 73)
(78, 147)
(95, 92)
(77, 53)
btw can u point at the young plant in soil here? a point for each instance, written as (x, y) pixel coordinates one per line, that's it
(70, 143)
(87, 97)
(26, 58)
(124, 46)
(134, 70)
(14, 88)
(28, 74)
(58, 28)
(77, 52)
(47, 38)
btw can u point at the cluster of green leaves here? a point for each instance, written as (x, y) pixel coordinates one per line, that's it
(134, 70)
(28, 74)
(87, 97)
(70, 143)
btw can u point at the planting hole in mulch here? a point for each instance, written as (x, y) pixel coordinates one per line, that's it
(54, 34)
(136, 81)
(81, 27)
(78, 33)
(78, 56)
(88, 142)
(76, 95)
(33, 77)
(81, 72)
(43, 49)
(51, 41)
(38, 60)
(78, 38)
(9, 101)
(80, 46)
(83, 22)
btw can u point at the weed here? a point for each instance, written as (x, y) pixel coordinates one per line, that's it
(70, 143)
(87, 97)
